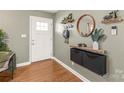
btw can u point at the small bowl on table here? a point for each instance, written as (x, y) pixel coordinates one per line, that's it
(82, 45)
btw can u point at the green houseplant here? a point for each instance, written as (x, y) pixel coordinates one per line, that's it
(4, 50)
(97, 36)
(3, 43)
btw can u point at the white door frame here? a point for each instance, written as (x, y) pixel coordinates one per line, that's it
(30, 36)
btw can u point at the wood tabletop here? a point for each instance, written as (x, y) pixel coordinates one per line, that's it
(100, 51)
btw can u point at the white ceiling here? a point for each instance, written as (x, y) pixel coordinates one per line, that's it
(50, 11)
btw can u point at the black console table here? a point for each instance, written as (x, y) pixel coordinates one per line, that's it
(93, 60)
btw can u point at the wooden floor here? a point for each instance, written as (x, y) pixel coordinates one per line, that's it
(43, 71)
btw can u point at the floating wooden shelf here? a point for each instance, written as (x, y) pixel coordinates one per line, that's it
(114, 20)
(100, 51)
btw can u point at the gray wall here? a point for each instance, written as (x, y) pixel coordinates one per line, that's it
(113, 44)
(16, 23)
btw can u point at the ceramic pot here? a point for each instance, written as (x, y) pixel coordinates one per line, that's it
(95, 45)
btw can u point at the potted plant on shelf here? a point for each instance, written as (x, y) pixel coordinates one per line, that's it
(97, 36)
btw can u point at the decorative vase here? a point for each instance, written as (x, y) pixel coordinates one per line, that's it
(95, 45)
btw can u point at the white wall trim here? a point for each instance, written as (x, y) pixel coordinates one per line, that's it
(23, 64)
(71, 70)
(30, 38)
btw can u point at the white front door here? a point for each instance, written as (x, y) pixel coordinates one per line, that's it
(41, 38)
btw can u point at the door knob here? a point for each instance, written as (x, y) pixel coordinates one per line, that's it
(32, 42)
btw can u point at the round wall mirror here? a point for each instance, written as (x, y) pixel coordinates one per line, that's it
(86, 25)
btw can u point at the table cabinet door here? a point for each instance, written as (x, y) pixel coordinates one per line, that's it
(77, 56)
(95, 62)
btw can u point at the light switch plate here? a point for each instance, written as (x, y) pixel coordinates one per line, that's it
(23, 35)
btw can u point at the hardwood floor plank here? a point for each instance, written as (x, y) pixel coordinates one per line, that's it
(43, 71)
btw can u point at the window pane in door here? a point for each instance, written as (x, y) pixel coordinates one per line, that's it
(41, 26)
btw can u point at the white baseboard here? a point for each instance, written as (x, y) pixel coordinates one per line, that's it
(71, 70)
(23, 64)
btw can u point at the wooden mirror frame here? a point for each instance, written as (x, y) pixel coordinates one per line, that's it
(78, 22)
